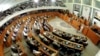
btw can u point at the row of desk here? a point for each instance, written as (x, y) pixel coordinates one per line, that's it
(71, 37)
(30, 33)
(64, 42)
(62, 34)
(48, 51)
(86, 30)
(2, 37)
(10, 29)
(94, 37)
(19, 48)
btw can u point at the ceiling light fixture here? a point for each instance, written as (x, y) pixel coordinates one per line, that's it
(53, 0)
(98, 0)
(36, 1)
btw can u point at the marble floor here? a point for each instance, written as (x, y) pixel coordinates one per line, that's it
(90, 50)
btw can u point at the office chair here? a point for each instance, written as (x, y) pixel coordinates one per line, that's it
(67, 37)
(31, 46)
(7, 34)
(78, 52)
(46, 41)
(14, 54)
(36, 53)
(76, 40)
(85, 44)
(56, 45)
(70, 52)
(63, 49)
(80, 41)
(25, 37)
(14, 39)
(14, 50)
(37, 31)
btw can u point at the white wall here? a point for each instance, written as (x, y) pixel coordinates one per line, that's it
(69, 7)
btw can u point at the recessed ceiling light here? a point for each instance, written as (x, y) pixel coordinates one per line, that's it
(36, 1)
(53, 0)
(98, 0)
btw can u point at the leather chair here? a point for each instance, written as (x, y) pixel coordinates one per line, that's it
(31, 46)
(70, 52)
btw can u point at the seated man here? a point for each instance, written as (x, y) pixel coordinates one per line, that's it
(44, 39)
(55, 44)
(45, 25)
(13, 39)
(36, 53)
(14, 48)
(25, 34)
(16, 29)
(6, 36)
(37, 26)
(8, 32)
(32, 45)
(94, 27)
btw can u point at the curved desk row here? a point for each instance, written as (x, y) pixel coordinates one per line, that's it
(8, 41)
(64, 42)
(42, 47)
(52, 14)
(10, 28)
(19, 35)
(26, 11)
(94, 37)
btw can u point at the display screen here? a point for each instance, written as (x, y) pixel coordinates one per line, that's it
(97, 21)
(97, 14)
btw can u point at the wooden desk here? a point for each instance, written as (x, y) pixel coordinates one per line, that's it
(87, 31)
(3, 34)
(1, 50)
(95, 38)
(60, 33)
(63, 41)
(46, 53)
(18, 37)
(64, 17)
(82, 20)
(76, 24)
(86, 22)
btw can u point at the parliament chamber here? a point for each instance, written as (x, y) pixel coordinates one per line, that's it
(46, 28)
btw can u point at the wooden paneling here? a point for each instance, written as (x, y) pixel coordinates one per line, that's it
(76, 24)
(1, 50)
(85, 30)
(93, 36)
